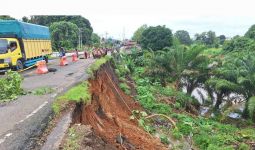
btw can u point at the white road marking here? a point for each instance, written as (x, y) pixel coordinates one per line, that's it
(9, 134)
(34, 112)
(28, 116)
(5, 137)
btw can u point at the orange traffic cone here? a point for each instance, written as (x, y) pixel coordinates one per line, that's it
(41, 67)
(63, 61)
(74, 56)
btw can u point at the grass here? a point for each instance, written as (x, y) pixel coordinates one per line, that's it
(42, 91)
(96, 65)
(79, 93)
(72, 141)
(212, 51)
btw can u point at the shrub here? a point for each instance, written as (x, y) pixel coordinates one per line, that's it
(10, 86)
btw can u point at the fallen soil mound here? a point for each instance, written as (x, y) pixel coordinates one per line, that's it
(109, 114)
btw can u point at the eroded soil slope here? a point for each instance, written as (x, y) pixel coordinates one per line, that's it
(109, 114)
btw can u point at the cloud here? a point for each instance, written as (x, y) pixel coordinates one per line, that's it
(118, 16)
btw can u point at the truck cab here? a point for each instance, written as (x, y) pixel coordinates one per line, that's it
(10, 53)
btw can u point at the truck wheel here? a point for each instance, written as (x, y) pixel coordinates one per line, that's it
(19, 65)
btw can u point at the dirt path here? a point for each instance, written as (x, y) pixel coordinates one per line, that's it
(109, 114)
(24, 119)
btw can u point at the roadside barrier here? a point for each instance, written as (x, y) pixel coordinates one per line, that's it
(41, 67)
(63, 61)
(74, 58)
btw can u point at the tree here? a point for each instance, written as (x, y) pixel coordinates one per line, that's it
(197, 70)
(138, 33)
(174, 63)
(222, 39)
(64, 34)
(239, 44)
(95, 39)
(82, 23)
(183, 37)
(207, 38)
(156, 38)
(25, 19)
(6, 17)
(251, 33)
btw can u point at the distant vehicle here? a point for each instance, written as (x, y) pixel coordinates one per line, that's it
(23, 44)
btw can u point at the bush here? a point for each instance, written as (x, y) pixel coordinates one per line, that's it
(10, 86)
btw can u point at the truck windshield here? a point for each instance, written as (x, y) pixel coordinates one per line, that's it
(3, 46)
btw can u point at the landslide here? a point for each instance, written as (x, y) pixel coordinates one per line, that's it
(109, 114)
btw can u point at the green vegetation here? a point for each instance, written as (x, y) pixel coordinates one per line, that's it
(77, 94)
(96, 65)
(183, 37)
(125, 88)
(10, 86)
(6, 17)
(42, 91)
(95, 39)
(251, 32)
(65, 34)
(72, 139)
(138, 33)
(156, 38)
(212, 51)
(239, 44)
(160, 76)
(82, 23)
(207, 38)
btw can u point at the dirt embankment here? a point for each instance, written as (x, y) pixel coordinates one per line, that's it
(109, 114)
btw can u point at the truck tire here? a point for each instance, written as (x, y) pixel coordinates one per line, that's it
(19, 65)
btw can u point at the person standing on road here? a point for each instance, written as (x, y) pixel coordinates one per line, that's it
(77, 53)
(62, 52)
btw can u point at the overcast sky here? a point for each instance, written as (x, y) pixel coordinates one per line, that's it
(119, 18)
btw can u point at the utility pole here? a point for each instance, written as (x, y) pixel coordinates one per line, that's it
(80, 39)
(123, 34)
(106, 35)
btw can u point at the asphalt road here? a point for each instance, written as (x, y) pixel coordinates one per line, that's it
(23, 120)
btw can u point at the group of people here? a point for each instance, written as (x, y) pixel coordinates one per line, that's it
(62, 52)
(99, 52)
(96, 52)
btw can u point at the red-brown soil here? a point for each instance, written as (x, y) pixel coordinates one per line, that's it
(109, 114)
